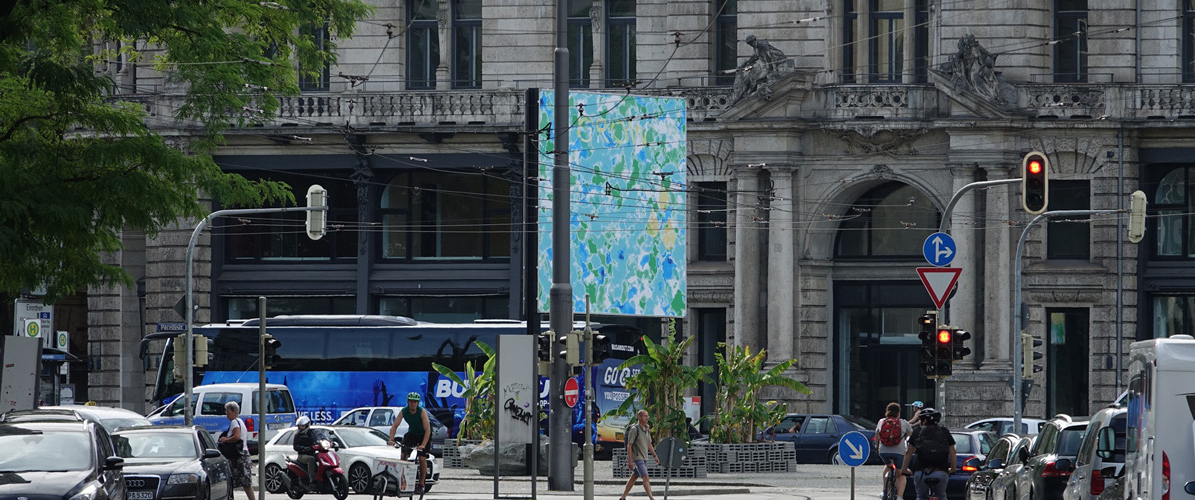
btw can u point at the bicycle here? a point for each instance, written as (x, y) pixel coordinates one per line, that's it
(890, 473)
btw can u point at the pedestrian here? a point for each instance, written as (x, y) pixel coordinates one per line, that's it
(639, 445)
(241, 473)
(933, 446)
(891, 433)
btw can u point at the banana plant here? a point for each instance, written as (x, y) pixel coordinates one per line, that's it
(478, 395)
(739, 411)
(661, 383)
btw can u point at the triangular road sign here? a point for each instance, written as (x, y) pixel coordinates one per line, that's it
(938, 282)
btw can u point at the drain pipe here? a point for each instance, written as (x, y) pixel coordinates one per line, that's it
(1120, 252)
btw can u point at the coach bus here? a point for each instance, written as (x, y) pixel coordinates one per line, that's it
(333, 364)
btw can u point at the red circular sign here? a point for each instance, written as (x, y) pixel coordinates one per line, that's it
(570, 392)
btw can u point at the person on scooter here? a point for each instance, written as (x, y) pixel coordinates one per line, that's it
(305, 445)
(418, 435)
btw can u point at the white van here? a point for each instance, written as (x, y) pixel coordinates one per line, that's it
(209, 403)
(1160, 448)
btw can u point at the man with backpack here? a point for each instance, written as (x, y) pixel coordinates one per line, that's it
(890, 441)
(933, 448)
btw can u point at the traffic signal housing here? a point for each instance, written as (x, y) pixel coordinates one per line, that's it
(928, 323)
(570, 347)
(601, 348)
(944, 351)
(544, 353)
(1029, 345)
(180, 356)
(201, 348)
(269, 356)
(1035, 181)
(960, 349)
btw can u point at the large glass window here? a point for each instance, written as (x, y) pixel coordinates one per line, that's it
(1066, 361)
(246, 307)
(620, 43)
(1070, 30)
(446, 309)
(711, 221)
(1069, 238)
(281, 237)
(444, 215)
(466, 64)
(1174, 206)
(726, 40)
(886, 44)
(882, 49)
(889, 221)
(580, 42)
(423, 45)
(1173, 315)
(711, 331)
(319, 81)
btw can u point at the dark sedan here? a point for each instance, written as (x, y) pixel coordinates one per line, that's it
(816, 437)
(59, 459)
(172, 462)
(999, 471)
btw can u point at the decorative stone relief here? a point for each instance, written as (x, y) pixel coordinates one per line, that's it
(873, 141)
(973, 69)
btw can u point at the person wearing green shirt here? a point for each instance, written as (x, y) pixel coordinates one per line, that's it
(418, 435)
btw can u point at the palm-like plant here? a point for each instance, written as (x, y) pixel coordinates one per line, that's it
(660, 385)
(741, 380)
(479, 396)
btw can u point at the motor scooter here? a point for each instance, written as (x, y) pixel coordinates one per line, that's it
(329, 477)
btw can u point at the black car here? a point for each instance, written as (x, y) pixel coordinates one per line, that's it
(816, 437)
(59, 459)
(172, 462)
(994, 477)
(1051, 460)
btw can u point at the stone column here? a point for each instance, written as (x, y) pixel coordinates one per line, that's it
(997, 286)
(597, 23)
(746, 256)
(444, 30)
(962, 308)
(781, 265)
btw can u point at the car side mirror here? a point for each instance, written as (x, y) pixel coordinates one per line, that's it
(995, 463)
(1063, 464)
(211, 453)
(1190, 488)
(113, 463)
(973, 462)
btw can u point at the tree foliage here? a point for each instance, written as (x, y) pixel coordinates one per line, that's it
(661, 383)
(79, 162)
(479, 396)
(741, 380)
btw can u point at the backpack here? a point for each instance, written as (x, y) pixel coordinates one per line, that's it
(890, 432)
(932, 450)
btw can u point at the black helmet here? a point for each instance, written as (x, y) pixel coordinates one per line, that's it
(930, 415)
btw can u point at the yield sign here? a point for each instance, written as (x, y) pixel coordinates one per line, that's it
(938, 282)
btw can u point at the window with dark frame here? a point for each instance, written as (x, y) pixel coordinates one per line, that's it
(726, 40)
(711, 221)
(1170, 212)
(884, 48)
(890, 221)
(580, 42)
(442, 215)
(423, 45)
(319, 82)
(620, 43)
(886, 45)
(281, 237)
(467, 44)
(1069, 238)
(1070, 31)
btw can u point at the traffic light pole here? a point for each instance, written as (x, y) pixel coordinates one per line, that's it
(1014, 331)
(560, 295)
(261, 398)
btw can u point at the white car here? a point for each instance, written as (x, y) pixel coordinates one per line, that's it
(1002, 426)
(381, 417)
(363, 453)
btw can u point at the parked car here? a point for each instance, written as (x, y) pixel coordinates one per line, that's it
(1101, 455)
(163, 462)
(381, 417)
(970, 450)
(816, 437)
(1003, 425)
(996, 476)
(209, 403)
(110, 418)
(1052, 459)
(363, 452)
(59, 458)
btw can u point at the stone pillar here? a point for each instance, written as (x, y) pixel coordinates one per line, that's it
(997, 285)
(962, 308)
(444, 30)
(782, 267)
(746, 256)
(597, 23)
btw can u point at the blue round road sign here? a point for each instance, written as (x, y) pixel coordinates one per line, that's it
(853, 448)
(938, 249)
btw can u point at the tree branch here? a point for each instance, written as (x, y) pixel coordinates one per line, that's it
(13, 129)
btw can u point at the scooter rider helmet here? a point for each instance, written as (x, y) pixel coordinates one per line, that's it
(303, 422)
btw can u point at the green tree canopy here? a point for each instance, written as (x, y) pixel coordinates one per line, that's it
(78, 164)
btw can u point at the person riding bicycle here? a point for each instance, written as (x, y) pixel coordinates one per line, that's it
(933, 448)
(304, 444)
(418, 435)
(890, 441)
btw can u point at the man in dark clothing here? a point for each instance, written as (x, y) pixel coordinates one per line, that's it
(933, 447)
(418, 434)
(304, 444)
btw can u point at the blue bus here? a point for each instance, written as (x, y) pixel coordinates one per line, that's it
(335, 363)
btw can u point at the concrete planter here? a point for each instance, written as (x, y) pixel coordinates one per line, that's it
(707, 458)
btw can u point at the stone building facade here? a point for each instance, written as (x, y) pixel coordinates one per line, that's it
(809, 201)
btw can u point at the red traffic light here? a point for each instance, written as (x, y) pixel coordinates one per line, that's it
(944, 336)
(1034, 167)
(1035, 178)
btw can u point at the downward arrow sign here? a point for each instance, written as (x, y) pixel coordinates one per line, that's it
(857, 453)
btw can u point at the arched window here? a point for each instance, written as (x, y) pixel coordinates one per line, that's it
(1173, 207)
(889, 221)
(440, 215)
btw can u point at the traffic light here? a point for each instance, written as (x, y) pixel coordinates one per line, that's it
(960, 338)
(570, 347)
(928, 323)
(270, 355)
(1137, 217)
(944, 351)
(601, 348)
(1035, 181)
(201, 347)
(180, 356)
(317, 220)
(1029, 346)
(544, 353)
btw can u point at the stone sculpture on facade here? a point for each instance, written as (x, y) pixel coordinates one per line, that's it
(973, 69)
(766, 66)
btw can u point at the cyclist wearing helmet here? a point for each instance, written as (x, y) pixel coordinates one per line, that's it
(933, 447)
(418, 434)
(304, 444)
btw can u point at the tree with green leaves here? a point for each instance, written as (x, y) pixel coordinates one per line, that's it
(79, 164)
(740, 411)
(478, 395)
(661, 383)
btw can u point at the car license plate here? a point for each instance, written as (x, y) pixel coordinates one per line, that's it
(276, 426)
(141, 495)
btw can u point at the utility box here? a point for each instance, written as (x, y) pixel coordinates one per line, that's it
(19, 372)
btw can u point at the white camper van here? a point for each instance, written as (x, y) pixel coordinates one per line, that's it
(1160, 447)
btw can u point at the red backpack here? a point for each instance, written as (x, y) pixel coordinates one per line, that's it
(890, 432)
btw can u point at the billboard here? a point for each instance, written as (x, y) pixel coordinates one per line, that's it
(627, 161)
